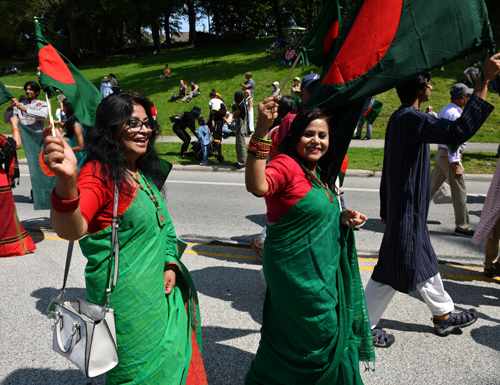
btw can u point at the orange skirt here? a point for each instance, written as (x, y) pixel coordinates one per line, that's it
(14, 240)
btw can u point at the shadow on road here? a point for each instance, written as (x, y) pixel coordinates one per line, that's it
(46, 294)
(243, 288)
(49, 376)
(227, 364)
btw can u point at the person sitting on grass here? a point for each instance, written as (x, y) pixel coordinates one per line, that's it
(195, 91)
(166, 72)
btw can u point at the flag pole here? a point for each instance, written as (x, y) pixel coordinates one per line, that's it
(51, 119)
(289, 73)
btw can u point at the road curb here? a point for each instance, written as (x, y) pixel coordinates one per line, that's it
(350, 173)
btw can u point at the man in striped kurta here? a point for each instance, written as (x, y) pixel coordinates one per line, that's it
(407, 260)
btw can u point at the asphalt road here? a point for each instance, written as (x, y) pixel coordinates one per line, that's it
(213, 211)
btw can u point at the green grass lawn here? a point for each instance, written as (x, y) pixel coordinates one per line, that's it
(223, 68)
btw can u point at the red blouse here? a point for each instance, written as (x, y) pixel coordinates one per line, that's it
(96, 198)
(287, 185)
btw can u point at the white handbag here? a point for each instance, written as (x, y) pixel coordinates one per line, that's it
(84, 332)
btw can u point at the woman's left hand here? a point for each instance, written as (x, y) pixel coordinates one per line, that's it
(169, 276)
(353, 218)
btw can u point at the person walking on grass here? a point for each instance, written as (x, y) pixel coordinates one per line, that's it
(407, 261)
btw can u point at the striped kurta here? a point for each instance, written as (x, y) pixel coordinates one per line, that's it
(406, 256)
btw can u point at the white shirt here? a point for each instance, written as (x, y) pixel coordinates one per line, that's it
(37, 112)
(452, 112)
(215, 104)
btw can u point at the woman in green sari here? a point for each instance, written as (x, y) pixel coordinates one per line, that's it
(315, 327)
(156, 307)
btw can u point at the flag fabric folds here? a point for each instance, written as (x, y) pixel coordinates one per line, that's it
(371, 114)
(5, 95)
(321, 40)
(391, 41)
(41, 183)
(58, 72)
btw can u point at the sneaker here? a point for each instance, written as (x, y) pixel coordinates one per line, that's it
(204, 164)
(464, 233)
(238, 166)
(366, 138)
(357, 137)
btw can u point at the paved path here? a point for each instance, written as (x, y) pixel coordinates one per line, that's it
(372, 143)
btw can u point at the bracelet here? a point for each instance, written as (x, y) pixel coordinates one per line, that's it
(64, 205)
(16, 129)
(258, 156)
(261, 140)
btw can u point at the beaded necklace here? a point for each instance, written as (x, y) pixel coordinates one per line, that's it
(324, 186)
(146, 187)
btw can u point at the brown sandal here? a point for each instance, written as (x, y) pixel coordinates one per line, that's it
(495, 271)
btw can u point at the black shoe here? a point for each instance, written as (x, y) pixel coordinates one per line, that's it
(220, 159)
(464, 233)
(238, 166)
(366, 138)
(357, 137)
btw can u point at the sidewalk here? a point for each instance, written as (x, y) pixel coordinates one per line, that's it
(372, 143)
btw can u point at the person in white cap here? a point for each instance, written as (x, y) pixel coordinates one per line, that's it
(276, 89)
(448, 165)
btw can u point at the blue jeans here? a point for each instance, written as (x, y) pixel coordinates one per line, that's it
(204, 148)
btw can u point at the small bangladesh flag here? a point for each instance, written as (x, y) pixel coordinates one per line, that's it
(371, 113)
(58, 72)
(5, 95)
(320, 43)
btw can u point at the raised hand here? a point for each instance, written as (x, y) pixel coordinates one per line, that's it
(268, 111)
(58, 156)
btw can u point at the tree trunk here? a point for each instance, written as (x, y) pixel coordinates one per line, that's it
(138, 39)
(168, 12)
(124, 36)
(155, 31)
(277, 14)
(73, 41)
(192, 21)
(95, 38)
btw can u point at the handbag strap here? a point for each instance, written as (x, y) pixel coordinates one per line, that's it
(115, 251)
(115, 247)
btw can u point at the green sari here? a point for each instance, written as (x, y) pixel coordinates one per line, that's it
(153, 330)
(315, 327)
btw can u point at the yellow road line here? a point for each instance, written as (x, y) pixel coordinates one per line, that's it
(248, 258)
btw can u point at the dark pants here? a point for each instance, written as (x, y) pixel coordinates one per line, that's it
(183, 135)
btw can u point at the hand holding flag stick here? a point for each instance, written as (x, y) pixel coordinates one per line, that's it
(51, 119)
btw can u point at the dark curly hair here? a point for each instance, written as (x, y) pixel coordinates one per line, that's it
(101, 142)
(326, 164)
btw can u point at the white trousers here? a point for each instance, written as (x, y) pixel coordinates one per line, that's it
(378, 296)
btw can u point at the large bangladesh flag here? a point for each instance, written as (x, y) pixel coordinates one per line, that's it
(58, 72)
(389, 42)
(5, 95)
(42, 180)
(320, 43)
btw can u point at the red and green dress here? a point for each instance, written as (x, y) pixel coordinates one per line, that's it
(14, 240)
(315, 327)
(159, 337)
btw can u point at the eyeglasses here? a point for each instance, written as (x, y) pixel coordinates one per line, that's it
(431, 85)
(135, 125)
